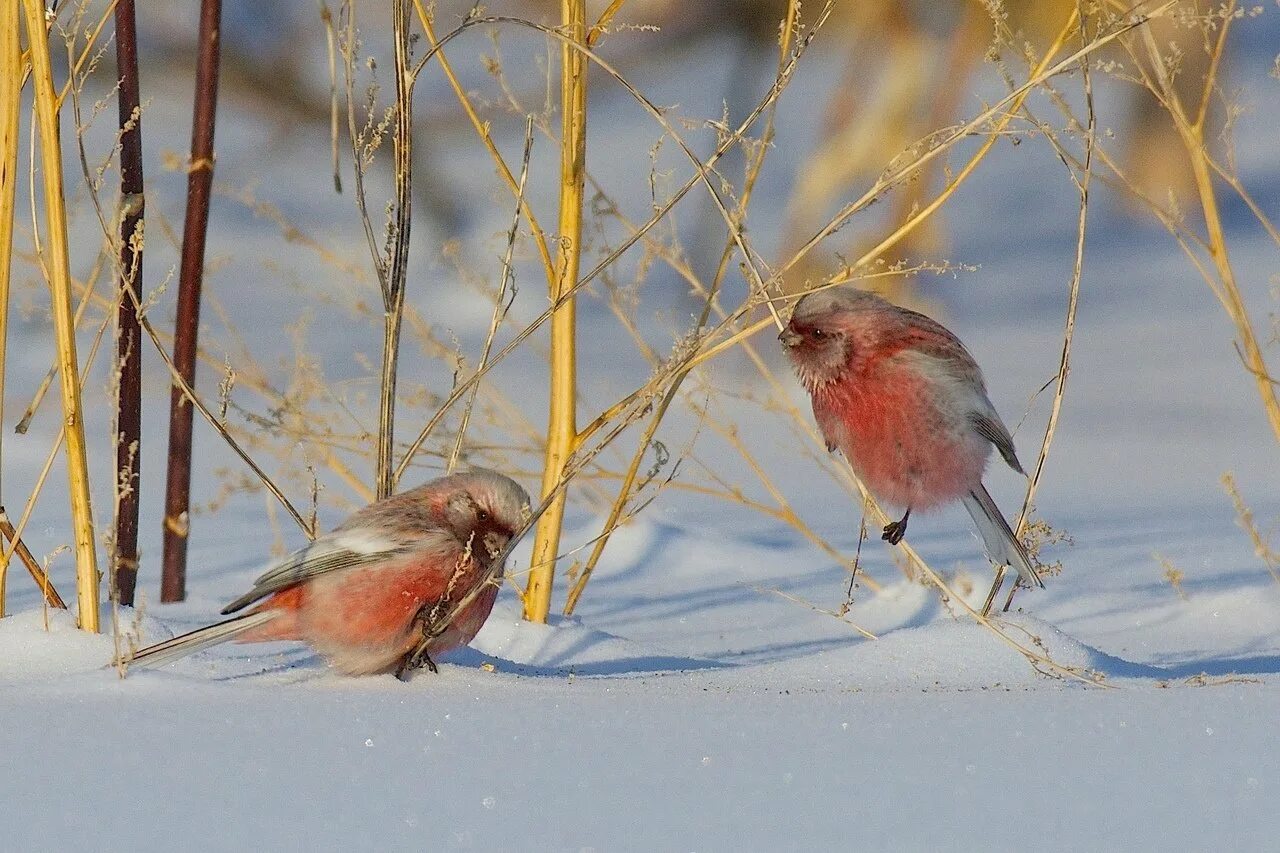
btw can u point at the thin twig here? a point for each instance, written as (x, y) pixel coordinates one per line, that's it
(502, 302)
(398, 260)
(190, 397)
(326, 18)
(1068, 334)
(659, 214)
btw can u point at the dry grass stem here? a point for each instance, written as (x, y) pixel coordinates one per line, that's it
(1269, 556)
(1038, 659)
(395, 278)
(191, 397)
(795, 599)
(481, 128)
(15, 541)
(330, 40)
(506, 294)
(1073, 301)
(10, 107)
(659, 214)
(58, 267)
(86, 299)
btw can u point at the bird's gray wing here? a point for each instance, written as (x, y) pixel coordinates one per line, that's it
(990, 427)
(336, 551)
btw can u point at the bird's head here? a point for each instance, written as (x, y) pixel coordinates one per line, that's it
(826, 332)
(487, 509)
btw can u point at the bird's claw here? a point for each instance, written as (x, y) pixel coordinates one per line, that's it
(416, 660)
(419, 657)
(894, 531)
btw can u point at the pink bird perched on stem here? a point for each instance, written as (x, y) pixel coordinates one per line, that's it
(904, 401)
(405, 578)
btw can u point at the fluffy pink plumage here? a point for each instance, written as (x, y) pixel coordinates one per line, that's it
(904, 401)
(364, 594)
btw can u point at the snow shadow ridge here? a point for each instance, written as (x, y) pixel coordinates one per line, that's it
(563, 665)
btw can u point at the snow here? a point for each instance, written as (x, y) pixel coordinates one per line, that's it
(699, 699)
(702, 715)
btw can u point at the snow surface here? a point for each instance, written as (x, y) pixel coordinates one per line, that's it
(689, 705)
(684, 711)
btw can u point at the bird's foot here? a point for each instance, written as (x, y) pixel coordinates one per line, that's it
(895, 530)
(431, 665)
(419, 657)
(416, 659)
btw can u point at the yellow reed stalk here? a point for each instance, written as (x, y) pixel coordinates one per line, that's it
(562, 433)
(1193, 140)
(59, 271)
(10, 103)
(601, 25)
(1190, 125)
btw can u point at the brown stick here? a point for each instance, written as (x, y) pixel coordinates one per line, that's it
(124, 569)
(28, 559)
(177, 500)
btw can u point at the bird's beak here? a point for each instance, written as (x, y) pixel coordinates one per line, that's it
(528, 525)
(789, 338)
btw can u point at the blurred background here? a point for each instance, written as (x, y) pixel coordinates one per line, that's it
(888, 75)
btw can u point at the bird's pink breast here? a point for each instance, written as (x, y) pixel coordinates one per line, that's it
(900, 435)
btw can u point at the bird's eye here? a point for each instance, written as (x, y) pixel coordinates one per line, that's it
(482, 515)
(819, 334)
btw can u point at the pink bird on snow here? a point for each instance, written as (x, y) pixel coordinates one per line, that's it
(408, 577)
(904, 401)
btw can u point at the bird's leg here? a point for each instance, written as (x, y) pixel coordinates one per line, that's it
(419, 656)
(895, 530)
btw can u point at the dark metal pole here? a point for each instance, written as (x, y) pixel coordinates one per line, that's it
(124, 572)
(173, 584)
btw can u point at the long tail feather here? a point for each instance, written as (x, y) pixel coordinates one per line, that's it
(201, 638)
(1002, 546)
